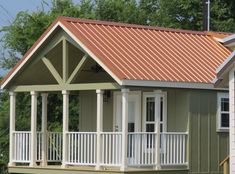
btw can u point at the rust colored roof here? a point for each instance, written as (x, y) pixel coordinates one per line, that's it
(219, 35)
(135, 52)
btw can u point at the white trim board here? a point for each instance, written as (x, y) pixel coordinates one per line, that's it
(167, 84)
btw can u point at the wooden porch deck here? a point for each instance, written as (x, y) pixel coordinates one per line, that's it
(56, 169)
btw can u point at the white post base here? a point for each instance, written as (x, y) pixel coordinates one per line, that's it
(10, 164)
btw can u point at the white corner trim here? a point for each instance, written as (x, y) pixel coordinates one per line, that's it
(150, 83)
(75, 39)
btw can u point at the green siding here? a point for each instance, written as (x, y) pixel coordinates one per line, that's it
(177, 110)
(207, 146)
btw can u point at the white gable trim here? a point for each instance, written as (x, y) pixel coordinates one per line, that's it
(75, 39)
(225, 62)
(226, 39)
(28, 57)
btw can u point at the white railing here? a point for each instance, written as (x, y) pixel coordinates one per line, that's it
(111, 144)
(174, 148)
(22, 142)
(54, 146)
(141, 149)
(82, 148)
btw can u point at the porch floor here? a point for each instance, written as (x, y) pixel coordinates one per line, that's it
(56, 169)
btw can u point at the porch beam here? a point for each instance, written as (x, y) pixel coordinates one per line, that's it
(12, 128)
(77, 69)
(99, 127)
(71, 87)
(125, 96)
(33, 155)
(65, 126)
(65, 58)
(44, 129)
(52, 69)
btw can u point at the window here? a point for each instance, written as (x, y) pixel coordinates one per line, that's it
(223, 112)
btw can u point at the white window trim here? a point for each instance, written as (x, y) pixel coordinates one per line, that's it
(153, 94)
(218, 120)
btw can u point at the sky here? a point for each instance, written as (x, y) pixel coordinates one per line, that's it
(9, 9)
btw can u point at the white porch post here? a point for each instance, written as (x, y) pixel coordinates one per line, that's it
(157, 133)
(65, 126)
(125, 95)
(12, 127)
(33, 154)
(44, 129)
(99, 126)
(232, 122)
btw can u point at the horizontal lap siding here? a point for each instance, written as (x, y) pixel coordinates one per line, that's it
(207, 147)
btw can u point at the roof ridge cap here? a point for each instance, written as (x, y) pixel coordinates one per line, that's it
(138, 26)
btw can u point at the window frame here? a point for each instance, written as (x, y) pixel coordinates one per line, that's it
(219, 112)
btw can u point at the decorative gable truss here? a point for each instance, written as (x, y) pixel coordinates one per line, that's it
(65, 71)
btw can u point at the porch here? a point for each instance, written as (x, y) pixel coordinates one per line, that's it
(124, 148)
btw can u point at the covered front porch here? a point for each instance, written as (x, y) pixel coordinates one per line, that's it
(150, 147)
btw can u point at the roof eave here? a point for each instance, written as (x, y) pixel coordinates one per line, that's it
(170, 84)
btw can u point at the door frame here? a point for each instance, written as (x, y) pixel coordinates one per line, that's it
(154, 94)
(118, 93)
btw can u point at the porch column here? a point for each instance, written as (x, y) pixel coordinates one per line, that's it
(65, 126)
(125, 95)
(157, 133)
(231, 122)
(44, 129)
(99, 126)
(33, 154)
(12, 127)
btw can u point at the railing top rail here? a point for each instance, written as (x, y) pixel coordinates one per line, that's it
(175, 133)
(165, 133)
(21, 132)
(111, 133)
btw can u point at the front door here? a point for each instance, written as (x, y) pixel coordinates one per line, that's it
(154, 107)
(133, 112)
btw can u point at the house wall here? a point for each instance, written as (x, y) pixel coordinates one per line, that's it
(87, 116)
(207, 146)
(177, 111)
(187, 110)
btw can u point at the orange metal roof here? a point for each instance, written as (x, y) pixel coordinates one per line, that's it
(135, 52)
